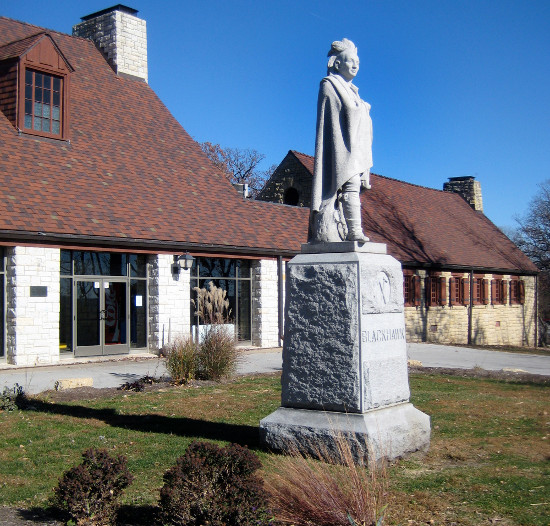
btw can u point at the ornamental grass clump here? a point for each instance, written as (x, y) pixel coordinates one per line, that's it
(328, 488)
(217, 352)
(214, 486)
(182, 359)
(89, 492)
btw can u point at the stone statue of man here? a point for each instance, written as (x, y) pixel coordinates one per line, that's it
(343, 151)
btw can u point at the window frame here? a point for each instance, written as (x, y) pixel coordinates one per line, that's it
(436, 290)
(411, 289)
(480, 294)
(63, 107)
(499, 289)
(517, 291)
(459, 290)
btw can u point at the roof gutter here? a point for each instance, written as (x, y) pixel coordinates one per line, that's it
(142, 244)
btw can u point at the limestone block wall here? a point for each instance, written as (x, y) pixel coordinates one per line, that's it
(32, 318)
(508, 324)
(289, 174)
(169, 301)
(265, 303)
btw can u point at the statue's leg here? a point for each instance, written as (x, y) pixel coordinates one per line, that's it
(352, 209)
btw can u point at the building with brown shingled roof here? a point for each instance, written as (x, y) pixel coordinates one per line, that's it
(465, 282)
(102, 190)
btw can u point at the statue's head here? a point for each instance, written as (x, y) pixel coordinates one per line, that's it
(343, 59)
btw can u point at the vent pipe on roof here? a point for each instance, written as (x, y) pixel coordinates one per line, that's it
(121, 36)
(468, 188)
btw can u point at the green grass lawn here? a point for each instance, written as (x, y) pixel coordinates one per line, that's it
(488, 462)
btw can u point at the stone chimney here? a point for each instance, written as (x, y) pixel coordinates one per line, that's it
(121, 36)
(468, 188)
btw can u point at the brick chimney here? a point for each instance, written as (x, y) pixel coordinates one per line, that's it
(121, 36)
(468, 188)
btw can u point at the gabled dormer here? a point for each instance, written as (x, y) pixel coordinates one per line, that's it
(34, 86)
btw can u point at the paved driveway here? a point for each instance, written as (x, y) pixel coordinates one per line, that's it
(114, 373)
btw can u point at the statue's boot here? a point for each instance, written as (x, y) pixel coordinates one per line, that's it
(351, 206)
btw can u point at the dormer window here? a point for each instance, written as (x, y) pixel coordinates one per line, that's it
(43, 102)
(34, 86)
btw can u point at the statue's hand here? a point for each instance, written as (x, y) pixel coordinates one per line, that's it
(365, 181)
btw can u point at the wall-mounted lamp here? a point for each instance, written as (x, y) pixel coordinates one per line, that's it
(185, 262)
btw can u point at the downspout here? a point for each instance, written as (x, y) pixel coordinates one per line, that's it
(471, 307)
(280, 285)
(536, 310)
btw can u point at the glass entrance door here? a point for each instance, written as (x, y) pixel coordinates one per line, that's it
(101, 317)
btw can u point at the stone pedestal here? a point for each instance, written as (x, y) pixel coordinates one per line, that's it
(344, 354)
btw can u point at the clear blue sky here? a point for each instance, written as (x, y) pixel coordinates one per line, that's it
(456, 87)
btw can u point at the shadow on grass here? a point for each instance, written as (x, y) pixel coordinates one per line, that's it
(50, 516)
(186, 427)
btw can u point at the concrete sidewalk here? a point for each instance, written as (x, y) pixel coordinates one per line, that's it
(117, 371)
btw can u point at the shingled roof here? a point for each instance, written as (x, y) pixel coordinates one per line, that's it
(424, 226)
(130, 175)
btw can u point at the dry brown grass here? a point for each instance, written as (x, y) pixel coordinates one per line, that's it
(336, 490)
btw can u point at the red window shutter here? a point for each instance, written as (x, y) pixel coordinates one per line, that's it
(416, 288)
(442, 290)
(521, 290)
(452, 290)
(466, 291)
(504, 293)
(493, 291)
(485, 291)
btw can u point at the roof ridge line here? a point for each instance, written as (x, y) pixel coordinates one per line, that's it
(42, 30)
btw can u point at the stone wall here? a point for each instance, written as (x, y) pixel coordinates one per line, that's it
(32, 319)
(289, 174)
(265, 303)
(507, 324)
(169, 301)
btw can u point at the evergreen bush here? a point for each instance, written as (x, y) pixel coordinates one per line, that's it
(214, 486)
(89, 492)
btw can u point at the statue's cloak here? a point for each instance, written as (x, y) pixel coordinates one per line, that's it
(343, 145)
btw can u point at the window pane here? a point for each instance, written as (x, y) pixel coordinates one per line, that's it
(56, 98)
(55, 127)
(28, 121)
(38, 109)
(55, 113)
(47, 81)
(38, 94)
(28, 76)
(56, 84)
(28, 107)
(217, 267)
(65, 315)
(66, 263)
(45, 125)
(138, 265)
(138, 313)
(244, 268)
(38, 124)
(28, 92)
(46, 111)
(38, 79)
(115, 313)
(244, 330)
(99, 263)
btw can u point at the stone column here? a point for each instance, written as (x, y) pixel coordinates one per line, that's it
(265, 304)
(32, 305)
(344, 355)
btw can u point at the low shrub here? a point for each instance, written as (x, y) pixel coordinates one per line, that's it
(89, 492)
(182, 359)
(11, 398)
(217, 354)
(214, 486)
(329, 488)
